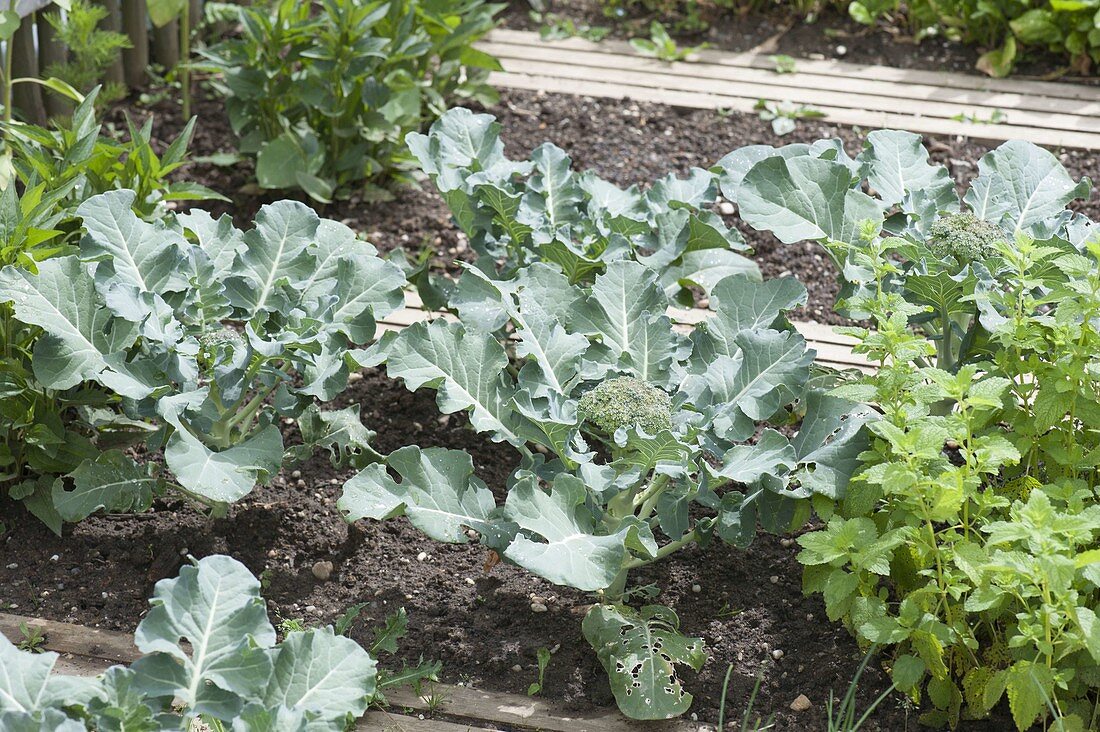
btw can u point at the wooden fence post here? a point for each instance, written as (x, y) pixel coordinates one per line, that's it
(50, 51)
(135, 61)
(113, 22)
(27, 98)
(166, 45)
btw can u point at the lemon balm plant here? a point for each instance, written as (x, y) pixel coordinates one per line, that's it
(635, 441)
(966, 542)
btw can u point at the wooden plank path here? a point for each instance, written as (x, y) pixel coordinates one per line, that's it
(90, 651)
(1044, 112)
(833, 350)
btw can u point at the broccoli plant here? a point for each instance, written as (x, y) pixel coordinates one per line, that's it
(636, 441)
(231, 670)
(197, 337)
(940, 250)
(542, 210)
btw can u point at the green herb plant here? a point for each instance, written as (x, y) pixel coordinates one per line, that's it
(323, 93)
(623, 425)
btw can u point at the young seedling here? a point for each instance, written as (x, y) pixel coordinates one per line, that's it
(33, 641)
(784, 115)
(660, 45)
(543, 661)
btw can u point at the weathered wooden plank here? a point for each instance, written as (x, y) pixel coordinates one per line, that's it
(866, 119)
(89, 651)
(952, 80)
(77, 640)
(527, 713)
(806, 95)
(907, 94)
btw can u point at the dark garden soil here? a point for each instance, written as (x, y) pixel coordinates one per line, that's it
(748, 605)
(829, 35)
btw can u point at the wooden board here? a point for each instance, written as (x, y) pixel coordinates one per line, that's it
(1046, 113)
(89, 651)
(832, 349)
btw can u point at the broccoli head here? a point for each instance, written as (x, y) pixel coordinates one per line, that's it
(627, 402)
(963, 236)
(217, 346)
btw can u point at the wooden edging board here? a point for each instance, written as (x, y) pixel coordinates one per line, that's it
(1046, 113)
(832, 349)
(89, 651)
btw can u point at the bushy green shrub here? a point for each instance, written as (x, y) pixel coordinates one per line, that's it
(966, 541)
(323, 93)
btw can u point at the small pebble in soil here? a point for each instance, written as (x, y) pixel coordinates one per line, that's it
(470, 581)
(774, 579)
(696, 589)
(296, 474)
(13, 565)
(517, 668)
(322, 570)
(777, 654)
(841, 50)
(725, 208)
(538, 607)
(422, 557)
(785, 542)
(54, 557)
(355, 376)
(801, 703)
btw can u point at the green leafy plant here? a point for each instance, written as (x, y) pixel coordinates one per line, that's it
(231, 670)
(784, 115)
(323, 93)
(965, 543)
(75, 156)
(33, 638)
(623, 425)
(542, 210)
(554, 27)
(543, 655)
(202, 343)
(91, 49)
(784, 64)
(660, 45)
(841, 715)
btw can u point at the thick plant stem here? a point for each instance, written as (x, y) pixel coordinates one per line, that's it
(24, 64)
(50, 52)
(135, 60)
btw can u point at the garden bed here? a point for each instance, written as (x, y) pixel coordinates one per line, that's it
(486, 625)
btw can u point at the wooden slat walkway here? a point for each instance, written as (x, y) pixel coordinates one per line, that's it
(89, 651)
(832, 349)
(1046, 113)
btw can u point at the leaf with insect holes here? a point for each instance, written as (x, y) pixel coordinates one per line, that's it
(640, 650)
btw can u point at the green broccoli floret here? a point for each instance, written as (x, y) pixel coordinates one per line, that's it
(214, 346)
(627, 402)
(963, 236)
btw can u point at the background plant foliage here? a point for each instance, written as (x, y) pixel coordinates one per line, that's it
(1007, 29)
(323, 93)
(967, 540)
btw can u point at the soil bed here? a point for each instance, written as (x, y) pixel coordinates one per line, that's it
(479, 622)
